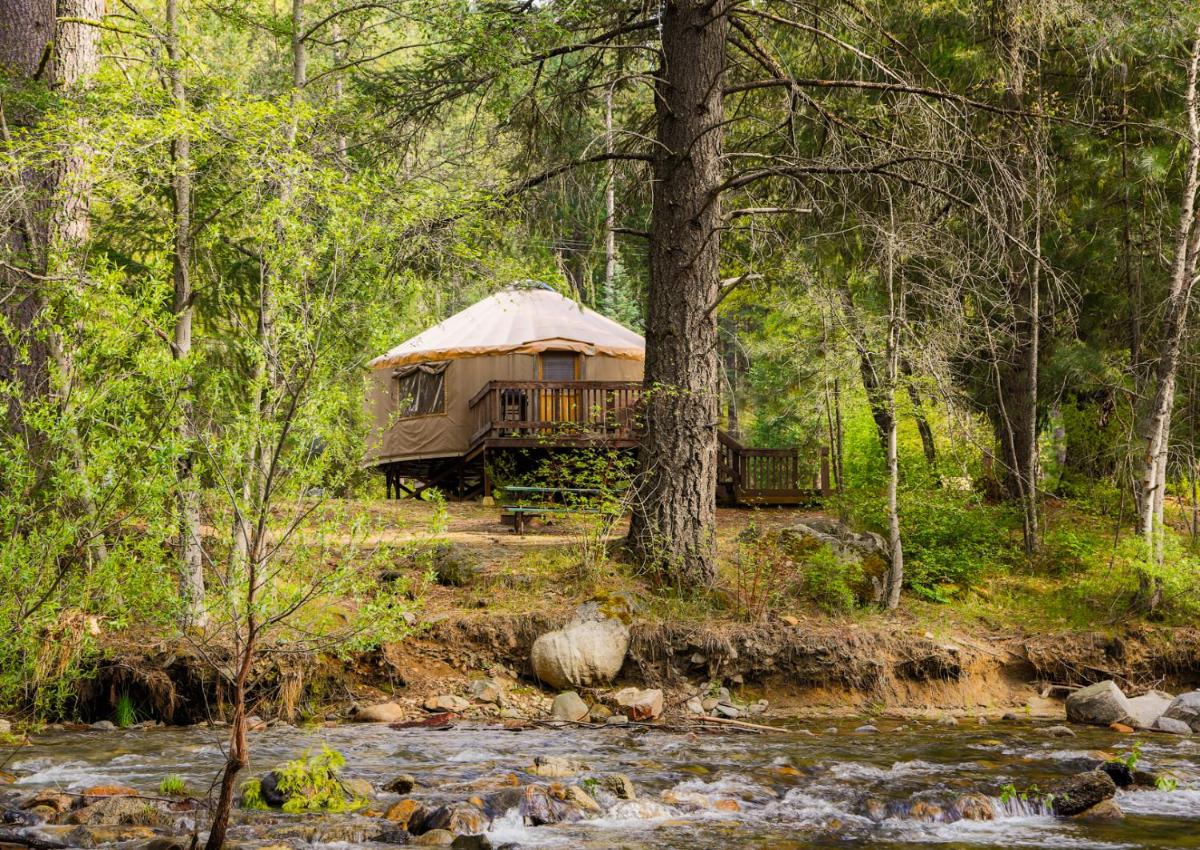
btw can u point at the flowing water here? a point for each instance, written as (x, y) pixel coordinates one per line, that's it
(798, 790)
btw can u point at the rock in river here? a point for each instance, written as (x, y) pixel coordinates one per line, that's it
(585, 653)
(1185, 707)
(1146, 709)
(1077, 794)
(1099, 705)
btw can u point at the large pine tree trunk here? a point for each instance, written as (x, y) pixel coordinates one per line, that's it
(26, 36)
(674, 517)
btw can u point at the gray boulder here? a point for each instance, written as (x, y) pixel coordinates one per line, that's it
(1147, 708)
(584, 653)
(1185, 707)
(1172, 726)
(1099, 705)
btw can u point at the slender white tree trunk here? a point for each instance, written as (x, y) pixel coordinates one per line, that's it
(895, 306)
(1154, 431)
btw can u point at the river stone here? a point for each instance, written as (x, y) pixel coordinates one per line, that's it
(555, 767)
(619, 785)
(868, 729)
(102, 834)
(471, 842)
(1106, 811)
(1060, 731)
(402, 812)
(640, 704)
(1078, 793)
(694, 706)
(586, 653)
(972, 806)
(455, 818)
(104, 726)
(115, 811)
(446, 702)
(401, 784)
(357, 789)
(1098, 705)
(617, 720)
(1173, 726)
(599, 713)
(1186, 707)
(487, 690)
(384, 712)
(434, 838)
(569, 706)
(5, 726)
(1147, 708)
(51, 798)
(1119, 772)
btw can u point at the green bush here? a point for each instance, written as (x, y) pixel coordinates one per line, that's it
(950, 537)
(830, 582)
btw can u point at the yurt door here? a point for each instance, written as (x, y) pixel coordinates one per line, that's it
(558, 404)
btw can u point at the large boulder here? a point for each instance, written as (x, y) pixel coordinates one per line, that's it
(1146, 709)
(584, 653)
(1185, 707)
(1099, 705)
(1077, 794)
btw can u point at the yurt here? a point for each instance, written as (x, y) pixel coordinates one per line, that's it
(526, 355)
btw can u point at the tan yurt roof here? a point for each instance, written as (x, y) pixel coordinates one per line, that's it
(519, 320)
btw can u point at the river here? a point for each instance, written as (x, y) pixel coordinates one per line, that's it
(798, 790)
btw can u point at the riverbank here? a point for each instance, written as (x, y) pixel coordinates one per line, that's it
(481, 595)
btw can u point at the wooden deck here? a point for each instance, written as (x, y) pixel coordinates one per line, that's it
(551, 415)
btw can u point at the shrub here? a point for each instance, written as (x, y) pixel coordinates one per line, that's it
(830, 581)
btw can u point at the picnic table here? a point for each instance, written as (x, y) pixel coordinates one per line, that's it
(521, 513)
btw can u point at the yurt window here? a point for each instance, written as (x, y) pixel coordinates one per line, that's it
(421, 389)
(560, 366)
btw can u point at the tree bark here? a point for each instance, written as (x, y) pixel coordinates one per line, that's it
(1015, 416)
(891, 378)
(1154, 428)
(672, 530)
(191, 556)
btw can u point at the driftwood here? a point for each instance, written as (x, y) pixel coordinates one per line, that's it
(12, 836)
(742, 724)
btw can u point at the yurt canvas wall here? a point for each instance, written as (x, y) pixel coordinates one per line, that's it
(449, 433)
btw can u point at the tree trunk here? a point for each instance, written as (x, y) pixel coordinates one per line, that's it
(187, 491)
(928, 446)
(673, 523)
(52, 223)
(610, 208)
(1015, 419)
(26, 39)
(891, 377)
(1154, 428)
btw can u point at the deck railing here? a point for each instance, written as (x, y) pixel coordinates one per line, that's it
(768, 474)
(583, 411)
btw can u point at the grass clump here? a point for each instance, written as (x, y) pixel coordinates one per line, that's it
(173, 785)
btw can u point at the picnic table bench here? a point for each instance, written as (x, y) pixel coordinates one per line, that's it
(521, 513)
